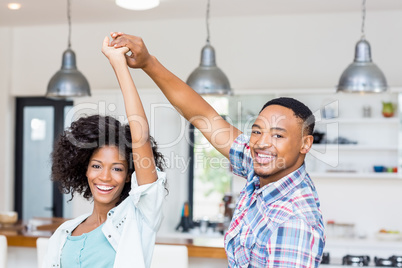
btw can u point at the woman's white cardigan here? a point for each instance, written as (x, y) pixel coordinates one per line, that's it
(130, 227)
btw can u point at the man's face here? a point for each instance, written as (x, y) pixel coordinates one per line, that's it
(278, 144)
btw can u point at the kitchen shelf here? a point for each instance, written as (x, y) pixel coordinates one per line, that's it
(377, 138)
(359, 175)
(370, 120)
(360, 147)
(369, 242)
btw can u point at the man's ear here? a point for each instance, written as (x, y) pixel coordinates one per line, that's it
(307, 143)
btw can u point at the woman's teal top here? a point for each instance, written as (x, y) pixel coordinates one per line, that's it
(87, 251)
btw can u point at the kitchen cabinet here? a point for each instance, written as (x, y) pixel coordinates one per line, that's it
(353, 144)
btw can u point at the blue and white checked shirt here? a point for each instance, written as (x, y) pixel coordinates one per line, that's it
(278, 225)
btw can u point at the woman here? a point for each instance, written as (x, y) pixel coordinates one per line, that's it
(119, 169)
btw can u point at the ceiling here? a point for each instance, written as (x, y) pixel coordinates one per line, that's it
(39, 12)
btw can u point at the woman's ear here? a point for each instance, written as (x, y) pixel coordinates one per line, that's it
(307, 143)
(128, 179)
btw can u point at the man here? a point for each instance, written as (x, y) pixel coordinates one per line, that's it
(277, 221)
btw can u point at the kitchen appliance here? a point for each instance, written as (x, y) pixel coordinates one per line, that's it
(353, 260)
(396, 260)
(360, 261)
(383, 262)
(325, 258)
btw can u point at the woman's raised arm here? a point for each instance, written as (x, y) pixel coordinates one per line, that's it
(143, 157)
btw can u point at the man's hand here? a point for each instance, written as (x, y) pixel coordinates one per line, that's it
(139, 57)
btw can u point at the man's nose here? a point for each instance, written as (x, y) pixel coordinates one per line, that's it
(265, 141)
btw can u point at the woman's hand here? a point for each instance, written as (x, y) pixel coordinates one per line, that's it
(139, 57)
(112, 53)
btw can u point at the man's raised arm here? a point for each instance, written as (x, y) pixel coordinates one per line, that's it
(186, 101)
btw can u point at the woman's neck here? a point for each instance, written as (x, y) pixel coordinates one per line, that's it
(99, 214)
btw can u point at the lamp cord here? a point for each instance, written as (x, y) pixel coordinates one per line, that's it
(207, 20)
(69, 23)
(363, 18)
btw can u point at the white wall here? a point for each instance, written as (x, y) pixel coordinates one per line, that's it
(299, 51)
(370, 204)
(6, 122)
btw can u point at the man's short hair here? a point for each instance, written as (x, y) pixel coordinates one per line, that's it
(299, 109)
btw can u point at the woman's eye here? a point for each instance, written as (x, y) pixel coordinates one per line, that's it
(255, 132)
(118, 169)
(95, 166)
(277, 136)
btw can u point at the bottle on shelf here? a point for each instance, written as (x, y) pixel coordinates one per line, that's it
(185, 223)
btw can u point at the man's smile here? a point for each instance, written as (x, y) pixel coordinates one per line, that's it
(264, 157)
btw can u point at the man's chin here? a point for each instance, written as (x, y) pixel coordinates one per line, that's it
(262, 173)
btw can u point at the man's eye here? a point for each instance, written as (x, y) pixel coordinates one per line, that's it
(277, 136)
(256, 132)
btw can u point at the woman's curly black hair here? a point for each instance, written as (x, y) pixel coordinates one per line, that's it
(75, 146)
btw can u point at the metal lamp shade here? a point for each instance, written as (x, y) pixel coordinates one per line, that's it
(68, 81)
(207, 78)
(362, 76)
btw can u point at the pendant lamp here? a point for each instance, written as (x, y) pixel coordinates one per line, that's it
(68, 81)
(137, 4)
(362, 75)
(208, 78)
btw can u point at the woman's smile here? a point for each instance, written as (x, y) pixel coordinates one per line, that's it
(104, 188)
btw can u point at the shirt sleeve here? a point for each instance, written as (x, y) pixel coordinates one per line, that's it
(295, 244)
(148, 198)
(240, 156)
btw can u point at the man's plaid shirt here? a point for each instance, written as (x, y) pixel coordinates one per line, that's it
(278, 225)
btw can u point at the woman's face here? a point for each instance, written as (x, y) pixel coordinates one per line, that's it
(107, 174)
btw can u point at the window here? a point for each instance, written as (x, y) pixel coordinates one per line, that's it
(210, 176)
(213, 188)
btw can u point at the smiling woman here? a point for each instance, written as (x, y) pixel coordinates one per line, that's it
(94, 158)
(118, 167)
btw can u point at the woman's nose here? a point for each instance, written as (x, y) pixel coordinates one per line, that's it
(105, 174)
